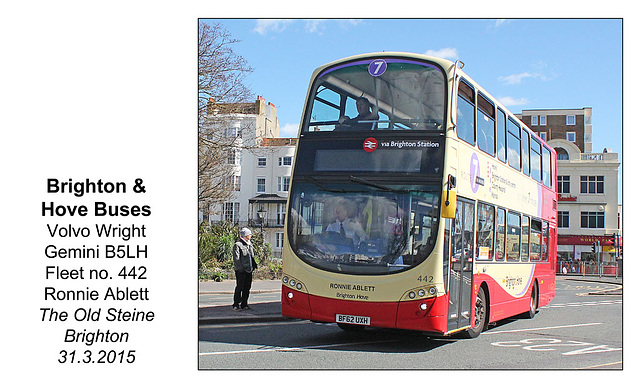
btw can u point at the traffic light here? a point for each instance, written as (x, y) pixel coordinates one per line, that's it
(613, 238)
(594, 247)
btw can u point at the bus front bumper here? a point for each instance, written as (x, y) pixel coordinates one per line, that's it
(423, 315)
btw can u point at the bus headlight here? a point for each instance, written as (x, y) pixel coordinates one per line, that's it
(420, 293)
(293, 283)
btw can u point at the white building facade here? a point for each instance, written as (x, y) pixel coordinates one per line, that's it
(587, 202)
(587, 183)
(260, 176)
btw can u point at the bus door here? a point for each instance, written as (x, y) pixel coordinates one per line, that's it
(460, 265)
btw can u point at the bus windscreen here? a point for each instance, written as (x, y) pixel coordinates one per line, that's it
(382, 94)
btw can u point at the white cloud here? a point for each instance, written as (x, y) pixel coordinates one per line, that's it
(264, 26)
(345, 23)
(500, 22)
(446, 53)
(517, 78)
(289, 130)
(315, 25)
(510, 101)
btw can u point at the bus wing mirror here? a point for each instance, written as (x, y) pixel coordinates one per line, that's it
(449, 202)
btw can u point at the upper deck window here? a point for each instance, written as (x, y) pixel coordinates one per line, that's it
(486, 125)
(513, 148)
(465, 113)
(379, 94)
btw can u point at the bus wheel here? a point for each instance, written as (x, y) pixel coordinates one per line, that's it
(533, 303)
(482, 315)
(350, 327)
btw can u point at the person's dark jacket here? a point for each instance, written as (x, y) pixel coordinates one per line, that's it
(243, 253)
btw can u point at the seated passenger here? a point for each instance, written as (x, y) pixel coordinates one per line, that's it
(364, 114)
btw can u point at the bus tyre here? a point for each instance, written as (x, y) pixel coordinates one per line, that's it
(481, 316)
(533, 303)
(350, 327)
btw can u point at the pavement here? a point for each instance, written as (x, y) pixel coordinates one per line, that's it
(223, 313)
(270, 311)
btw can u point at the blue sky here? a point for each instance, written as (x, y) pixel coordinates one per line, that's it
(525, 63)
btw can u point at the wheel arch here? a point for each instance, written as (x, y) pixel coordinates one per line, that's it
(487, 294)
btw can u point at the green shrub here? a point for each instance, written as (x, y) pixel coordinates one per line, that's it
(215, 249)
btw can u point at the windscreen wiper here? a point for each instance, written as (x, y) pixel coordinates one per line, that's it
(322, 186)
(362, 181)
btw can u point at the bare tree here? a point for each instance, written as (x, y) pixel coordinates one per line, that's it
(221, 71)
(221, 96)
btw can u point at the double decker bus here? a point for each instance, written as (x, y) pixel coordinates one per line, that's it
(417, 201)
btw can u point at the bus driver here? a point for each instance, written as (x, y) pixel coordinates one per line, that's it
(346, 226)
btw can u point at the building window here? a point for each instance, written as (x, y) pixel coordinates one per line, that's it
(543, 135)
(285, 161)
(279, 240)
(564, 184)
(231, 132)
(262, 185)
(571, 120)
(283, 184)
(561, 153)
(233, 182)
(571, 136)
(232, 157)
(563, 219)
(231, 212)
(262, 162)
(282, 210)
(592, 220)
(592, 184)
(543, 120)
(534, 120)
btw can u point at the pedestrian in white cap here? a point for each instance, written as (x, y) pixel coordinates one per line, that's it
(244, 264)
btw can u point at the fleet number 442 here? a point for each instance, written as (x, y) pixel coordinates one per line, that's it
(425, 279)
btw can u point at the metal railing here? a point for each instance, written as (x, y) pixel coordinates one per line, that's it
(589, 268)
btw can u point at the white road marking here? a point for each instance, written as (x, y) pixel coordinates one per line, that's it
(583, 304)
(271, 349)
(541, 328)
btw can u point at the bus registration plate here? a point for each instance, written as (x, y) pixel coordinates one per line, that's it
(353, 319)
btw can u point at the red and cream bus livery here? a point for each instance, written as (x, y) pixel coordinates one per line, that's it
(417, 202)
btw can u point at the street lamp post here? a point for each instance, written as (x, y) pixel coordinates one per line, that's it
(261, 213)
